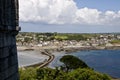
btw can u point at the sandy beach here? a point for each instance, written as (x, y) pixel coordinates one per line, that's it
(27, 58)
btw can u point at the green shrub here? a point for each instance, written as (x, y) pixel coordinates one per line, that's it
(87, 74)
(27, 74)
(71, 62)
(55, 74)
(50, 74)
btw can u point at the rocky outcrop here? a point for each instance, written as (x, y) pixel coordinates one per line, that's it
(113, 47)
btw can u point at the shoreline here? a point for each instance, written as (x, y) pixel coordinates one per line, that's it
(45, 62)
(48, 52)
(67, 48)
(39, 64)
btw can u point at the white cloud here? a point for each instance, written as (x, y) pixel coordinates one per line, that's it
(64, 12)
(88, 16)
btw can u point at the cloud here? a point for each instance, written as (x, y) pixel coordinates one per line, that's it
(87, 16)
(64, 12)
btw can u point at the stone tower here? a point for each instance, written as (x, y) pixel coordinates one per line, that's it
(8, 30)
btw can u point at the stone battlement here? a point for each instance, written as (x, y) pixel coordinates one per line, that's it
(9, 22)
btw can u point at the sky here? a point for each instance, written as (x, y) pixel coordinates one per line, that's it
(70, 16)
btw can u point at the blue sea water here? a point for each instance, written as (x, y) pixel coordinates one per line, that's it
(105, 61)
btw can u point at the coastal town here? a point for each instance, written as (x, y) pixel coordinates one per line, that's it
(44, 47)
(61, 40)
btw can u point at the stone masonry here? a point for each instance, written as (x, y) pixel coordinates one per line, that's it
(8, 30)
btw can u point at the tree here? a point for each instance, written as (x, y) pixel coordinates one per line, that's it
(50, 74)
(86, 74)
(56, 74)
(27, 74)
(72, 62)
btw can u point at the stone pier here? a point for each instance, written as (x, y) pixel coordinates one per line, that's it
(9, 22)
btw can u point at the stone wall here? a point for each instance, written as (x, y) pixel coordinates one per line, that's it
(8, 30)
(9, 14)
(8, 57)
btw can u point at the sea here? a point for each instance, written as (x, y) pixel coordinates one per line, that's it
(104, 61)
